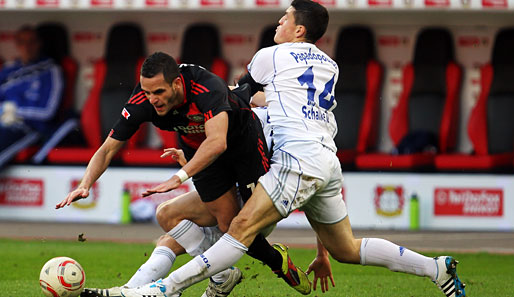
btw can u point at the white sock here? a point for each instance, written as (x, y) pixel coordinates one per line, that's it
(380, 252)
(196, 240)
(190, 236)
(156, 267)
(223, 254)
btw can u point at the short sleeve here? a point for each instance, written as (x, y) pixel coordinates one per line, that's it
(261, 68)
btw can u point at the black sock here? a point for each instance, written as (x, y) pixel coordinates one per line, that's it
(261, 250)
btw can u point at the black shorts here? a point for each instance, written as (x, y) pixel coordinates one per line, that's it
(244, 161)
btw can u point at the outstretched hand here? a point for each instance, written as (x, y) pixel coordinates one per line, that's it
(170, 184)
(73, 196)
(176, 154)
(322, 271)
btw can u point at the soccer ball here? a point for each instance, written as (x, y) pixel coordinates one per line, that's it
(62, 277)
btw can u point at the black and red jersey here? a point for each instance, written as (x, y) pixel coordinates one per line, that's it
(206, 95)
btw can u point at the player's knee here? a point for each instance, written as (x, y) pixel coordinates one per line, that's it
(239, 225)
(350, 254)
(163, 240)
(166, 217)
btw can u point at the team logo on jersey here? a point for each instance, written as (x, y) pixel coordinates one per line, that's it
(196, 117)
(125, 113)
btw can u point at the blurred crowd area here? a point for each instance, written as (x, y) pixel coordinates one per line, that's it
(41, 123)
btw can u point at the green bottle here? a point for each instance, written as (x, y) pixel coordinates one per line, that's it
(414, 212)
(125, 207)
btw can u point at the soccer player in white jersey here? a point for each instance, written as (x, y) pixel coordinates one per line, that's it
(298, 80)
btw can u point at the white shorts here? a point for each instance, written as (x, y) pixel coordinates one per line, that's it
(309, 180)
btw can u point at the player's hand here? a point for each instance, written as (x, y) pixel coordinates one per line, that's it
(170, 184)
(322, 271)
(176, 154)
(77, 194)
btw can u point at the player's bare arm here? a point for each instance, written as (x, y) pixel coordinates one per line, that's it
(214, 145)
(322, 268)
(96, 167)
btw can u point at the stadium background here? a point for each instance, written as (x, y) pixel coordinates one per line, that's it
(376, 200)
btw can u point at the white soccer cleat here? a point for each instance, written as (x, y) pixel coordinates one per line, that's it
(447, 280)
(155, 289)
(222, 290)
(93, 292)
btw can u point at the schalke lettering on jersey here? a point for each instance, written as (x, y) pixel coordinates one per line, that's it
(314, 113)
(306, 56)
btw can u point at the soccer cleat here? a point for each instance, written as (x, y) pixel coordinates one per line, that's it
(293, 275)
(155, 289)
(93, 292)
(447, 280)
(222, 290)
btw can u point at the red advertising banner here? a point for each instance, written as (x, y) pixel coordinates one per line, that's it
(86, 36)
(156, 3)
(495, 3)
(21, 192)
(267, 2)
(391, 40)
(326, 2)
(211, 2)
(102, 3)
(437, 3)
(47, 3)
(380, 3)
(468, 202)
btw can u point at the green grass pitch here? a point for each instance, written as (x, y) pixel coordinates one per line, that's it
(110, 264)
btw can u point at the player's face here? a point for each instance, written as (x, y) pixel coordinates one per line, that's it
(286, 29)
(27, 45)
(160, 94)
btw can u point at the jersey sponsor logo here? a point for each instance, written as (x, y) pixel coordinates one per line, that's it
(389, 200)
(309, 56)
(125, 113)
(194, 129)
(312, 113)
(199, 118)
(21, 192)
(472, 202)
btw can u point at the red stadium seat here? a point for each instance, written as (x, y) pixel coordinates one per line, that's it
(427, 108)
(491, 124)
(357, 93)
(115, 76)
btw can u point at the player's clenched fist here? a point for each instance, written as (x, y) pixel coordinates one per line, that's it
(77, 194)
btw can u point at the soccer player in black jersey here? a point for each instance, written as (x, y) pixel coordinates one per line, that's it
(221, 137)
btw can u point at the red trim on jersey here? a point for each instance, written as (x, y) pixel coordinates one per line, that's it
(208, 115)
(141, 100)
(136, 96)
(199, 86)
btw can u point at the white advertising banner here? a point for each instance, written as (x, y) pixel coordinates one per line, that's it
(374, 200)
(31, 193)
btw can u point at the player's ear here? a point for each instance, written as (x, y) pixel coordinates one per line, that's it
(176, 83)
(300, 31)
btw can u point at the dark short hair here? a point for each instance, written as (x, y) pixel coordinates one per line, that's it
(160, 62)
(313, 16)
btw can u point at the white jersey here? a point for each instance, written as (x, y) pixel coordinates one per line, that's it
(299, 81)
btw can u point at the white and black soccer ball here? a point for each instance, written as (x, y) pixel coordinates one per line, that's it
(62, 277)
